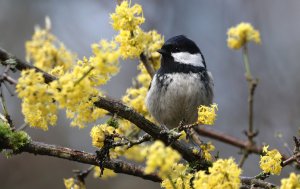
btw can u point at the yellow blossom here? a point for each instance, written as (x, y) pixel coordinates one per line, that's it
(126, 128)
(72, 183)
(38, 106)
(241, 34)
(47, 52)
(143, 77)
(57, 71)
(160, 158)
(206, 149)
(207, 115)
(127, 17)
(223, 174)
(179, 177)
(271, 161)
(134, 153)
(104, 62)
(99, 132)
(107, 173)
(77, 89)
(293, 182)
(131, 42)
(76, 93)
(136, 98)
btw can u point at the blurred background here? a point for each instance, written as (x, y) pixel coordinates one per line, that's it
(79, 23)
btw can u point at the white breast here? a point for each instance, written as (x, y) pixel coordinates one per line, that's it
(179, 100)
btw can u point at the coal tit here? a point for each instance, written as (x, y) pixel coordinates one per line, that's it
(181, 84)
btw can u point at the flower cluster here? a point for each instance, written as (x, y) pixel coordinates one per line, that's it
(134, 153)
(271, 161)
(178, 177)
(241, 34)
(160, 158)
(107, 173)
(126, 20)
(100, 132)
(72, 183)
(38, 106)
(206, 149)
(104, 63)
(223, 174)
(207, 115)
(132, 39)
(76, 88)
(135, 98)
(47, 52)
(127, 17)
(293, 182)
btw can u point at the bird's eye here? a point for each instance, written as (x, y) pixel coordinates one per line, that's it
(177, 49)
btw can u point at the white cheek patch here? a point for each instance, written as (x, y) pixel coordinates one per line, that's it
(188, 58)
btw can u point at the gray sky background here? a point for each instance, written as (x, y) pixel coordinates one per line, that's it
(80, 23)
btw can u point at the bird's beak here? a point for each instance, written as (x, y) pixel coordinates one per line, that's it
(162, 51)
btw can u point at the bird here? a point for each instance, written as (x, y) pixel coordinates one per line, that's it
(180, 85)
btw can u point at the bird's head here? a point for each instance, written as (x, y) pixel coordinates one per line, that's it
(181, 49)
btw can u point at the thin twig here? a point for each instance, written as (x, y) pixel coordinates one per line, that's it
(81, 175)
(243, 159)
(22, 127)
(4, 107)
(252, 83)
(130, 143)
(291, 159)
(147, 65)
(195, 137)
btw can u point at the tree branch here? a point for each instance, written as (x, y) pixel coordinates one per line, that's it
(223, 137)
(118, 166)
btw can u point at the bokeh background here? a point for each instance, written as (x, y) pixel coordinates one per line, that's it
(79, 23)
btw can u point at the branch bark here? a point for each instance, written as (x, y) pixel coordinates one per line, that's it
(147, 65)
(118, 166)
(223, 137)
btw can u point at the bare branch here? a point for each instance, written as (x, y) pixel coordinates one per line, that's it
(147, 65)
(118, 166)
(250, 181)
(131, 143)
(223, 137)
